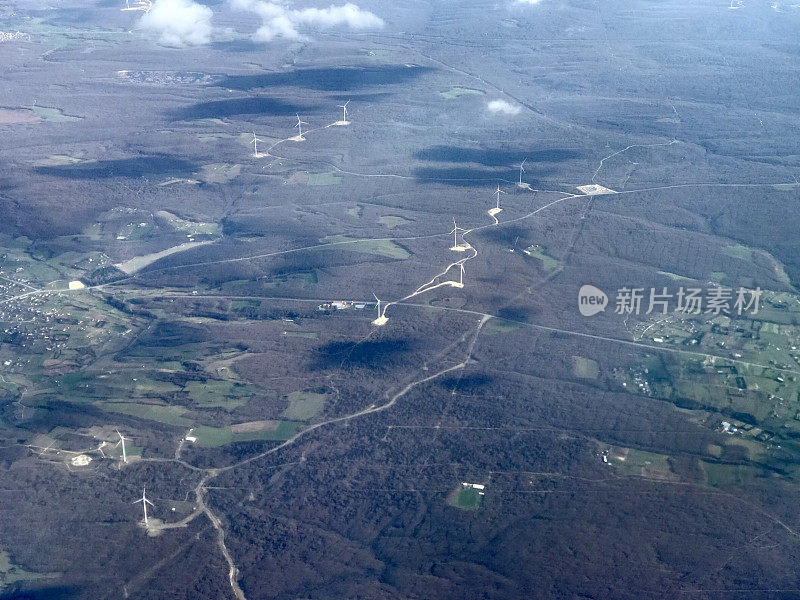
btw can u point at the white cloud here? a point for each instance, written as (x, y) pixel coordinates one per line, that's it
(279, 21)
(179, 22)
(502, 107)
(528, 1)
(333, 16)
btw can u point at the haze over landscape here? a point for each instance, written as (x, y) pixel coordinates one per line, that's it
(413, 300)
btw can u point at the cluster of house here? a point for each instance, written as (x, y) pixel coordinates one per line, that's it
(476, 486)
(341, 305)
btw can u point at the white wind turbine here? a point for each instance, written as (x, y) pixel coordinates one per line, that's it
(122, 440)
(496, 209)
(521, 172)
(46, 449)
(381, 319)
(255, 146)
(497, 193)
(456, 246)
(344, 120)
(145, 502)
(299, 137)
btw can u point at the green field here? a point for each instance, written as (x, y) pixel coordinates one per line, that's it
(392, 221)
(304, 278)
(56, 115)
(585, 368)
(738, 251)
(498, 325)
(304, 406)
(323, 179)
(237, 305)
(169, 415)
(719, 277)
(539, 252)
(179, 353)
(215, 393)
(457, 92)
(465, 498)
(750, 254)
(719, 475)
(385, 248)
(640, 463)
(11, 573)
(118, 385)
(130, 450)
(215, 437)
(187, 226)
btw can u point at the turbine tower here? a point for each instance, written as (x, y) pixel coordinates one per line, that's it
(344, 120)
(521, 171)
(497, 193)
(46, 449)
(145, 502)
(456, 246)
(122, 441)
(299, 137)
(255, 146)
(381, 319)
(460, 282)
(493, 211)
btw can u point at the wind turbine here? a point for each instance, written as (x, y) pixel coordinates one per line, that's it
(381, 319)
(344, 120)
(255, 146)
(521, 171)
(46, 449)
(122, 441)
(144, 502)
(299, 137)
(493, 211)
(497, 193)
(456, 246)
